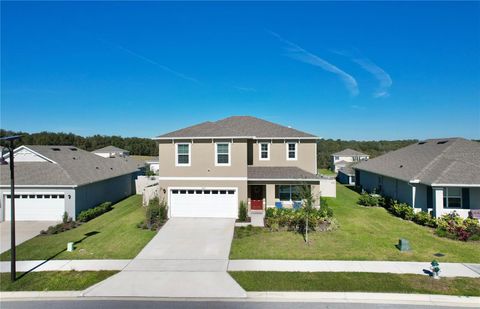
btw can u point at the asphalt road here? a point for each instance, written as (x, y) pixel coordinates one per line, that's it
(141, 304)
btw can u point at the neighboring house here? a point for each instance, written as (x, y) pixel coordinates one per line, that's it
(111, 152)
(346, 174)
(438, 175)
(208, 168)
(153, 165)
(50, 180)
(346, 156)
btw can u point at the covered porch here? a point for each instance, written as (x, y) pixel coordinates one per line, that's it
(462, 200)
(279, 187)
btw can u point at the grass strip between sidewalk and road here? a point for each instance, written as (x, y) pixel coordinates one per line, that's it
(113, 235)
(53, 280)
(258, 281)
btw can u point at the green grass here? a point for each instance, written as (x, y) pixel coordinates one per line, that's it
(113, 235)
(356, 282)
(364, 234)
(324, 171)
(53, 280)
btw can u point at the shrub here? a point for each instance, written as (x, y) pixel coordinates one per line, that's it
(295, 220)
(92, 213)
(242, 212)
(424, 218)
(454, 227)
(369, 200)
(156, 214)
(402, 210)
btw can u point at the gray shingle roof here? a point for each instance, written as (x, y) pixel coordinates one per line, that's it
(72, 167)
(110, 149)
(278, 172)
(435, 161)
(349, 152)
(348, 169)
(238, 126)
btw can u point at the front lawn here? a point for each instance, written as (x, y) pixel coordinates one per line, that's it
(325, 171)
(355, 282)
(53, 280)
(113, 235)
(364, 234)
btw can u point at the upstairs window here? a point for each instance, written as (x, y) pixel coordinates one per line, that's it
(264, 151)
(183, 155)
(222, 154)
(291, 151)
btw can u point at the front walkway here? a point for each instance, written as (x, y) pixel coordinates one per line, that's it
(187, 258)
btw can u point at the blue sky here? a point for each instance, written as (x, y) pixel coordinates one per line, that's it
(339, 70)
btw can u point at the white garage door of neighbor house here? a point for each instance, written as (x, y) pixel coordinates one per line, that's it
(36, 207)
(205, 202)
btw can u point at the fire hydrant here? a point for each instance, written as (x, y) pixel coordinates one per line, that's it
(435, 268)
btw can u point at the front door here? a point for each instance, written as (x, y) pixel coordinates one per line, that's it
(256, 199)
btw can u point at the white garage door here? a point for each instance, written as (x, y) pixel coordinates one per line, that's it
(36, 207)
(205, 202)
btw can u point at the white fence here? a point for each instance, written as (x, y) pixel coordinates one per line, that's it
(144, 181)
(328, 186)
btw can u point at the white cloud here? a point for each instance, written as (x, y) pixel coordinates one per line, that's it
(300, 54)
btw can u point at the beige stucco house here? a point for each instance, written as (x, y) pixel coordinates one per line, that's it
(206, 170)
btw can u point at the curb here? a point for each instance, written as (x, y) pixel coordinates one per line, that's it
(366, 297)
(319, 297)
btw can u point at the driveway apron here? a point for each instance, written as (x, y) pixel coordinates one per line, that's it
(187, 258)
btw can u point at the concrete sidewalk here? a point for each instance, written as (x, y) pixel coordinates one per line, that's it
(222, 265)
(419, 268)
(65, 265)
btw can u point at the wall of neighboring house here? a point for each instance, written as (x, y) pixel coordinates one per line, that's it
(397, 189)
(109, 190)
(306, 154)
(68, 192)
(344, 178)
(202, 154)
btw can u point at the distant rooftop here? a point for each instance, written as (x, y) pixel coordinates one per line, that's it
(110, 149)
(349, 152)
(238, 126)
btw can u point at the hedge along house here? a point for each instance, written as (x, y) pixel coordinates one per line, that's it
(50, 180)
(435, 175)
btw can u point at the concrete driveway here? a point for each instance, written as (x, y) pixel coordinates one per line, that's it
(24, 230)
(187, 258)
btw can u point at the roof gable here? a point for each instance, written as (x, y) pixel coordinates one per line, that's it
(349, 152)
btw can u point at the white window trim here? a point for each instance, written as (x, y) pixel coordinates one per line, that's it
(260, 151)
(446, 196)
(189, 154)
(229, 154)
(296, 151)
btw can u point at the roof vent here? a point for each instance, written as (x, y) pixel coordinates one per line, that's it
(421, 143)
(97, 167)
(73, 149)
(56, 149)
(74, 158)
(441, 142)
(401, 166)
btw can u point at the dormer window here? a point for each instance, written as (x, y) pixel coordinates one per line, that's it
(222, 154)
(264, 151)
(183, 154)
(291, 151)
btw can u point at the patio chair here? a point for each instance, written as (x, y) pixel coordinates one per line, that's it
(278, 205)
(297, 205)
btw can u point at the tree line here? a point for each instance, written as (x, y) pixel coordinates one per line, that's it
(136, 145)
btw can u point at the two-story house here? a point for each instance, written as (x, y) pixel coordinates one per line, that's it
(345, 157)
(207, 169)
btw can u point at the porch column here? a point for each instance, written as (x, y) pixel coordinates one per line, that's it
(270, 195)
(316, 193)
(437, 201)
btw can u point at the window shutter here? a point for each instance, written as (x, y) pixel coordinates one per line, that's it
(466, 198)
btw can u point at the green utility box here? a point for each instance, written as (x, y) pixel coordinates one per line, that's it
(403, 245)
